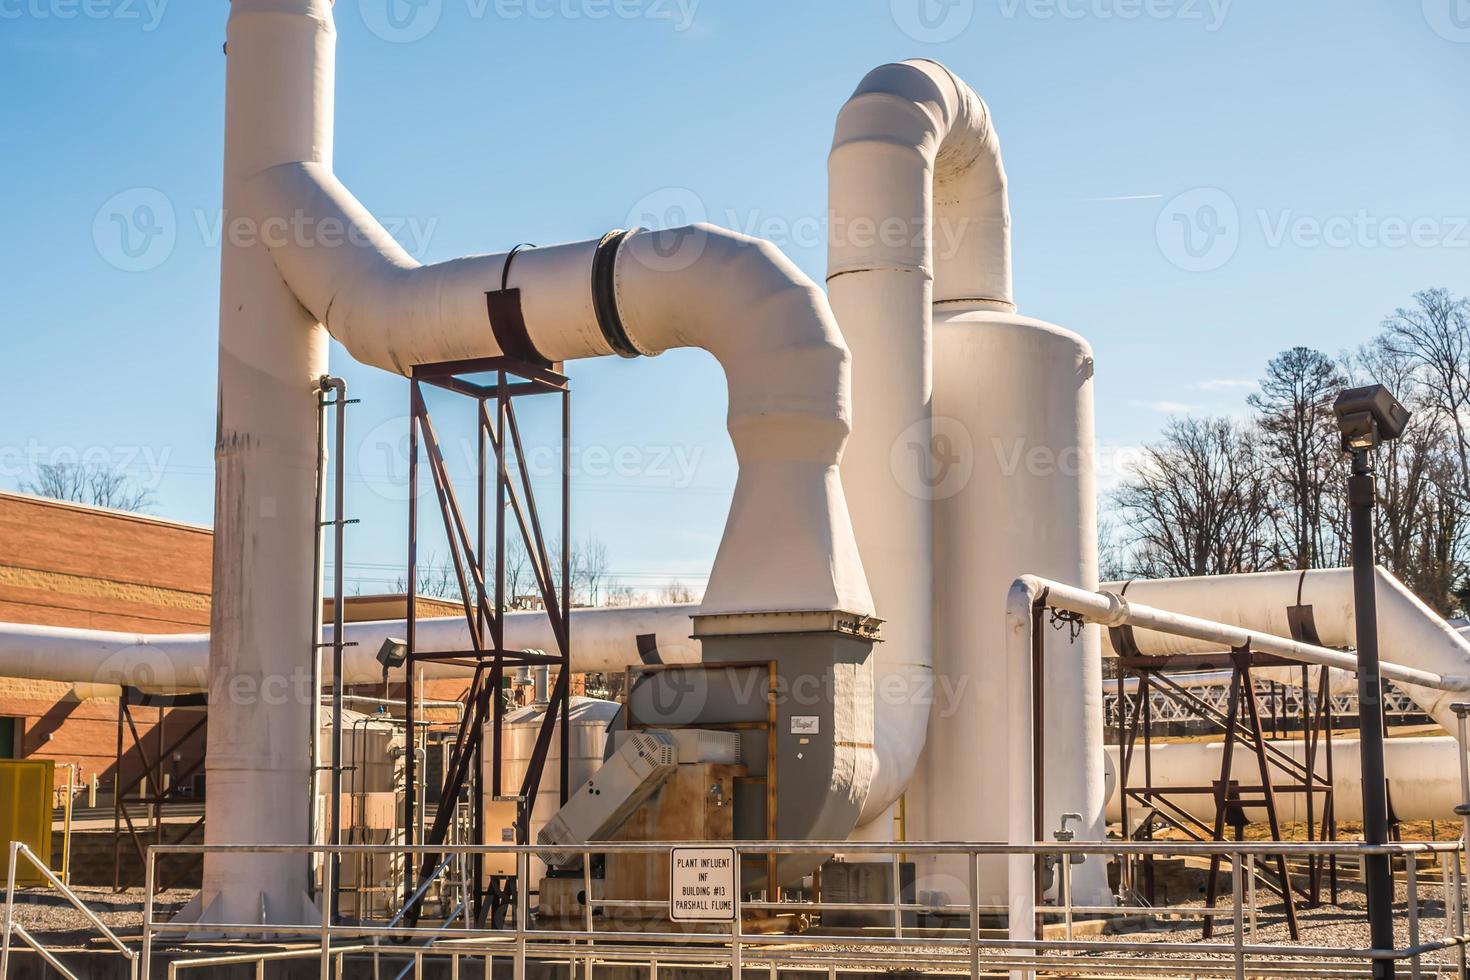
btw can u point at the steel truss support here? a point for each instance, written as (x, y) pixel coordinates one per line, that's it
(148, 781)
(1240, 720)
(502, 484)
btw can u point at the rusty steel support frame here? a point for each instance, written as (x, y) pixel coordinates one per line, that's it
(482, 592)
(150, 773)
(1240, 721)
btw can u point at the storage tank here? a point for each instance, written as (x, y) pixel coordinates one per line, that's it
(589, 719)
(1013, 431)
(372, 786)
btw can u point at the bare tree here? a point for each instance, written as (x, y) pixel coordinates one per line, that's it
(88, 483)
(1435, 332)
(593, 568)
(1112, 553)
(625, 595)
(1299, 443)
(1198, 504)
(1422, 513)
(435, 578)
(677, 592)
(518, 577)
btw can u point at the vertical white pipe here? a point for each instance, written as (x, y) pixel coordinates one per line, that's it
(1019, 781)
(278, 108)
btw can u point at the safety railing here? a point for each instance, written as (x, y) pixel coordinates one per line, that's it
(1051, 944)
(19, 850)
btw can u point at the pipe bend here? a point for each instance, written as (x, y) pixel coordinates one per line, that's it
(787, 370)
(767, 324)
(922, 134)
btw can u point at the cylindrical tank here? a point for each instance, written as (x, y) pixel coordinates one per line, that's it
(1013, 493)
(372, 783)
(1423, 777)
(589, 718)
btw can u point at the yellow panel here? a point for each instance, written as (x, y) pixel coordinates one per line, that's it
(26, 790)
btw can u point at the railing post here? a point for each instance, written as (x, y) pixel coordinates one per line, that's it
(896, 869)
(1411, 875)
(150, 871)
(9, 910)
(1460, 904)
(737, 967)
(1250, 881)
(974, 857)
(587, 891)
(523, 895)
(1065, 862)
(1237, 891)
(328, 893)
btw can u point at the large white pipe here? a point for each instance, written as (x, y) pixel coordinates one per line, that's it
(1432, 659)
(788, 544)
(603, 640)
(739, 298)
(278, 109)
(1423, 777)
(956, 396)
(913, 157)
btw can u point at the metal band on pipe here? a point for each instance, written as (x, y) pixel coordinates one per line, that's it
(605, 296)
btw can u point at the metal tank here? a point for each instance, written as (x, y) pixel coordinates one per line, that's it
(589, 719)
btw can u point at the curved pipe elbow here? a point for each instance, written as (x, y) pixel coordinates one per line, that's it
(914, 141)
(788, 543)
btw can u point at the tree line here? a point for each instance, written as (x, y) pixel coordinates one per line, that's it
(1267, 491)
(589, 572)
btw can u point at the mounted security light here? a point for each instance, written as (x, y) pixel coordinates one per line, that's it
(392, 653)
(1368, 416)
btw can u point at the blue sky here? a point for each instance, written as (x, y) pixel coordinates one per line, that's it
(1194, 186)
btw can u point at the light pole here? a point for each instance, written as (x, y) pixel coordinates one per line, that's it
(1368, 416)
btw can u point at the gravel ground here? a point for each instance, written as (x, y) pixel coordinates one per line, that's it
(1341, 926)
(54, 921)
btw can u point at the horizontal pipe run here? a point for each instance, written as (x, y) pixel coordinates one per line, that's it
(1109, 609)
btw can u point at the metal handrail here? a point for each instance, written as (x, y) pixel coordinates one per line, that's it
(1239, 956)
(19, 849)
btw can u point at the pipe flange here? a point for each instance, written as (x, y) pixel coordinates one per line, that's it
(605, 294)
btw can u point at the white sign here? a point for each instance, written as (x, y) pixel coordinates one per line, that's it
(702, 884)
(805, 724)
